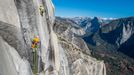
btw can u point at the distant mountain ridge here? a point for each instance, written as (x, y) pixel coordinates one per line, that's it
(79, 20)
(115, 32)
(116, 35)
(109, 40)
(90, 25)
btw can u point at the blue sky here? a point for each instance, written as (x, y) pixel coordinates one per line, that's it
(91, 8)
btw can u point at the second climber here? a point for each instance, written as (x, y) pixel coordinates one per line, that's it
(41, 8)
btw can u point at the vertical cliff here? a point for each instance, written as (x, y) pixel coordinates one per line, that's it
(20, 21)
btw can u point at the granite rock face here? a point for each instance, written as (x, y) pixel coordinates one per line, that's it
(18, 26)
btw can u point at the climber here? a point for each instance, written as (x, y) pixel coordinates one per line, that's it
(41, 8)
(35, 42)
(35, 46)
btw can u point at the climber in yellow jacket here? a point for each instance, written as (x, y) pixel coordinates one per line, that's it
(35, 46)
(35, 42)
(41, 8)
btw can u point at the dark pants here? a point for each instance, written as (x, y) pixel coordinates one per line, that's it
(41, 12)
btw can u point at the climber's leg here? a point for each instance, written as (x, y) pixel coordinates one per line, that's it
(35, 62)
(41, 12)
(34, 57)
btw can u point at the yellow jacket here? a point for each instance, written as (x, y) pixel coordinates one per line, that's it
(36, 40)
